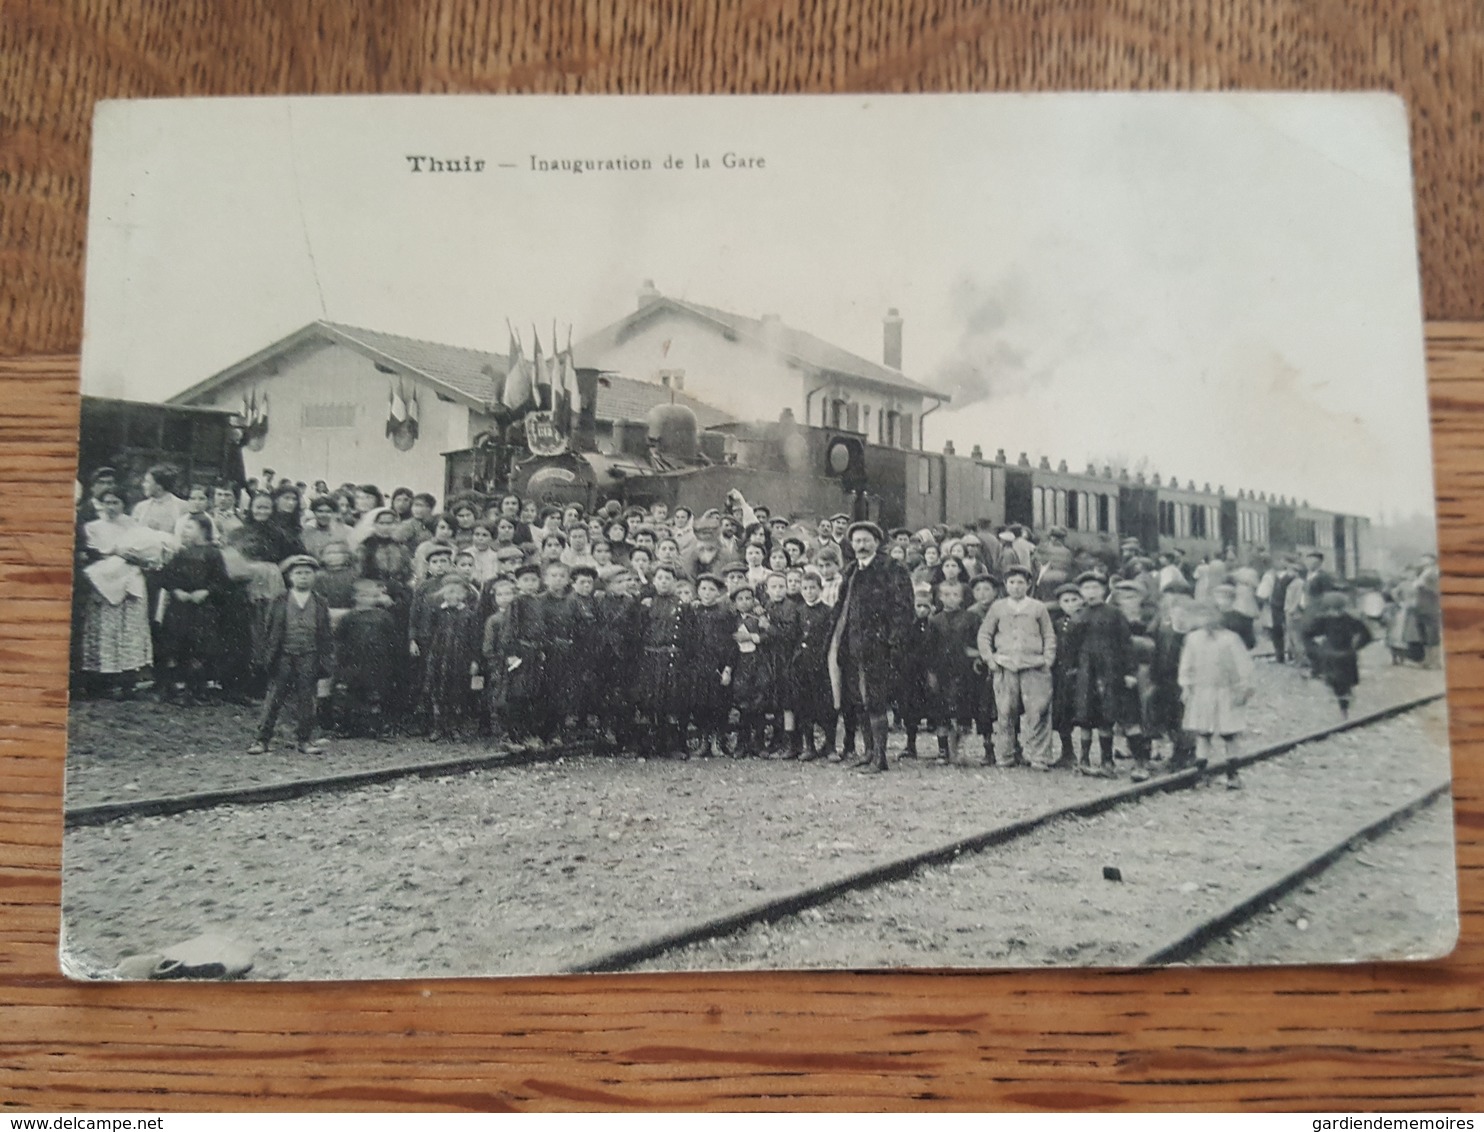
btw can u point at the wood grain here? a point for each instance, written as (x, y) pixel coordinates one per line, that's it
(1360, 1037)
(1371, 1036)
(57, 57)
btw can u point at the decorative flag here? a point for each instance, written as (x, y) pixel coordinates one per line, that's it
(517, 393)
(254, 420)
(563, 385)
(413, 412)
(542, 374)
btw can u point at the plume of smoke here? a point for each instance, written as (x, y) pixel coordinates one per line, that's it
(992, 355)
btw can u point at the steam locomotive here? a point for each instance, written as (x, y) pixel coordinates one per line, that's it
(807, 471)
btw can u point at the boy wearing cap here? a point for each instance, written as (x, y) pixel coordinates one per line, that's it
(558, 671)
(298, 649)
(1019, 644)
(1064, 672)
(582, 620)
(951, 652)
(524, 646)
(712, 637)
(1129, 596)
(620, 629)
(750, 684)
(1102, 653)
(664, 679)
(985, 590)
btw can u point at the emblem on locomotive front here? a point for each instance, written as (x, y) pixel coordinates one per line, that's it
(543, 437)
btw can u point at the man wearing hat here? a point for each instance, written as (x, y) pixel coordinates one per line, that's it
(297, 651)
(871, 621)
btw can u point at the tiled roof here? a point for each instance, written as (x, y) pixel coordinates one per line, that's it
(800, 344)
(469, 372)
(473, 373)
(476, 374)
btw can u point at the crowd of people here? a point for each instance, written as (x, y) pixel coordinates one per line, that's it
(662, 632)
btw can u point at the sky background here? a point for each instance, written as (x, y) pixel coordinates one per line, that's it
(1224, 285)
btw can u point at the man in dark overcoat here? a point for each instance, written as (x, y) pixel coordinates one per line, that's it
(872, 617)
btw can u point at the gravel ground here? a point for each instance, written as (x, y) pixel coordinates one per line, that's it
(523, 869)
(1394, 898)
(1043, 900)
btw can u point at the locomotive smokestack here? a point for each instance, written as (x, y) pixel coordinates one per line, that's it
(891, 344)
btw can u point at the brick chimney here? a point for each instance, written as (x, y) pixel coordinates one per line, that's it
(891, 345)
(647, 294)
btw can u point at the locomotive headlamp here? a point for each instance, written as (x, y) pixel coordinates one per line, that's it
(839, 457)
(845, 459)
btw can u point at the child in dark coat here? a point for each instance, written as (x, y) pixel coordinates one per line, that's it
(913, 700)
(985, 590)
(952, 647)
(780, 620)
(620, 627)
(813, 700)
(1064, 672)
(496, 647)
(1101, 648)
(1334, 637)
(710, 654)
(752, 683)
(663, 681)
(194, 583)
(582, 667)
(557, 613)
(366, 661)
(451, 659)
(524, 644)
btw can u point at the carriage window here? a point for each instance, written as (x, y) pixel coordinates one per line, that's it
(924, 475)
(988, 482)
(1104, 513)
(1072, 509)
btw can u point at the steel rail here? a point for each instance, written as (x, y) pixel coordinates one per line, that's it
(170, 805)
(776, 907)
(1199, 935)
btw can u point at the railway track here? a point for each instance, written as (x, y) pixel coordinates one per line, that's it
(1189, 942)
(170, 805)
(1203, 932)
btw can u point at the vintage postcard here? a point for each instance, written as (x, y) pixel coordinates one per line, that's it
(531, 535)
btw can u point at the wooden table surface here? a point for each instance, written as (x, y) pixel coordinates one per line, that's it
(1373, 1036)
